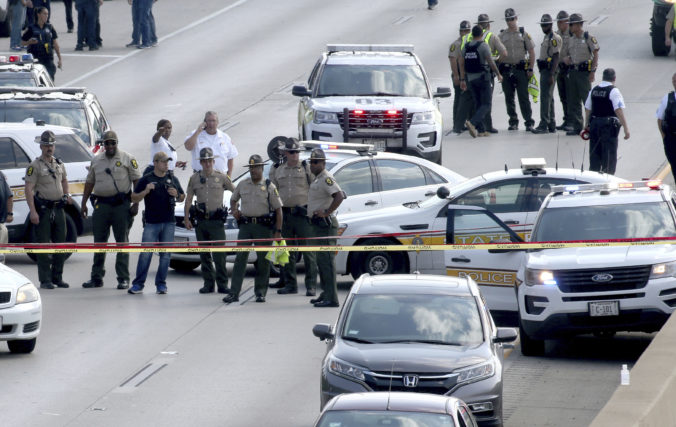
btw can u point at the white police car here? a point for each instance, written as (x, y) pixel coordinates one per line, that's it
(23, 70)
(20, 311)
(370, 179)
(373, 94)
(601, 290)
(19, 146)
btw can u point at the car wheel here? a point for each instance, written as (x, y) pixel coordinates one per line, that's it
(71, 235)
(379, 262)
(183, 266)
(530, 346)
(657, 36)
(21, 346)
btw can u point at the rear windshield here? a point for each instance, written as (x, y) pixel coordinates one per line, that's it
(625, 221)
(24, 80)
(372, 80)
(70, 117)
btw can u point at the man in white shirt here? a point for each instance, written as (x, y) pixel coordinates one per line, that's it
(208, 135)
(604, 116)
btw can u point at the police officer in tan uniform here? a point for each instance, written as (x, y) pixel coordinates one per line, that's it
(46, 195)
(109, 183)
(209, 215)
(463, 102)
(548, 64)
(259, 216)
(324, 198)
(564, 32)
(581, 55)
(516, 70)
(292, 179)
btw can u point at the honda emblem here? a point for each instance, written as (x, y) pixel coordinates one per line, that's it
(410, 381)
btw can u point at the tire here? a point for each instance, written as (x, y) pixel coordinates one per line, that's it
(657, 37)
(530, 346)
(379, 262)
(71, 235)
(22, 346)
(183, 266)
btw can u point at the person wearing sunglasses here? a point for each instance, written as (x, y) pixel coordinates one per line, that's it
(109, 183)
(47, 195)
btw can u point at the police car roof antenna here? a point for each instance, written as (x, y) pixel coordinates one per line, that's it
(584, 151)
(556, 165)
(389, 390)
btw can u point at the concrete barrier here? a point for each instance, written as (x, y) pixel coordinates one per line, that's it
(650, 399)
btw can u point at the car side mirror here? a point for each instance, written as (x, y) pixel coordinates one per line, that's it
(323, 331)
(300, 91)
(442, 92)
(505, 335)
(442, 192)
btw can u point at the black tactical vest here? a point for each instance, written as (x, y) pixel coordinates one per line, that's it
(602, 106)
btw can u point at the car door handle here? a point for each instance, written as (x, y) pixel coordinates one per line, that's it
(371, 203)
(460, 259)
(511, 221)
(430, 193)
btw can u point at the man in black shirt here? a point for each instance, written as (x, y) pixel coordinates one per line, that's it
(160, 191)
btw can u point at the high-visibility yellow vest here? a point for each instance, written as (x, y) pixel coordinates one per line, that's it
(487, 38)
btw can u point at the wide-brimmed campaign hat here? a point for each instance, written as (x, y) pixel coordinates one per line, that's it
(109, 135)
(47, 138)
(206, 153)
(465, 25)
(291, 144)
(510, 13)
(575, 18)
(546, 19)
(562, 16)
(255, 160)
(317, 154)
(483, 19)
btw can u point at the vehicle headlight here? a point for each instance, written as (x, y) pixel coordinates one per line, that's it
(475, 373)
(27, 293)
(539, 277)
(325, 117)
(668, 269)
(423, 118)
(345, 369)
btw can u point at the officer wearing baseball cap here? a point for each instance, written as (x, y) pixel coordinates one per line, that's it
(324, 198)
(112, 175)
(463, 103)
(209, 215)
(46, 196)
(548, 64)
(292, 178)
(260, 217)
(563, 30)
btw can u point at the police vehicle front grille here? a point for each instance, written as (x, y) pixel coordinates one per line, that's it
(5, 297)
(623, 278)
(375, 119)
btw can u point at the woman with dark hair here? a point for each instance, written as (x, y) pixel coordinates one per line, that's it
(40, 37)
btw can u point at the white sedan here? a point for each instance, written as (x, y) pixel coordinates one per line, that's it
(20, 311)
(371, 180)
(513, 195)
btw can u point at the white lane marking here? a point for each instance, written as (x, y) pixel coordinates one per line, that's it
(161, 39)
(84, 55)
(598, 20)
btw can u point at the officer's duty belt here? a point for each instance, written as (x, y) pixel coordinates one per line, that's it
(217, 215)
(115, 200)
(50, 204)
(262, 220)
(295, 210)
(582, 66)
(544, 64)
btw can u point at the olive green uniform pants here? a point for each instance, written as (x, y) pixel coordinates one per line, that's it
(326, 262)
(52, 228)
(577, 89)
(252, 231)
(105, 217)
(298, 226)
(210, 229)
(547, 120)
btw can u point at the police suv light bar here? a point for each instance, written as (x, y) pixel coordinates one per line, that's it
(530, 163)
(408, 48)
(336, 145)
(653, 184)
(26, 58)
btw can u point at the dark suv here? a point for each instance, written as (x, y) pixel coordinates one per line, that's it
(76, 108)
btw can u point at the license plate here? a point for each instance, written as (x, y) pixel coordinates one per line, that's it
(378, 144)
(604, 308)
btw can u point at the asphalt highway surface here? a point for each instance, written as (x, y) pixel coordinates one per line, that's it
(106, 358)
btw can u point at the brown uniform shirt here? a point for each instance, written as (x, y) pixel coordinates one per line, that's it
(565, 39)
(292, 183)
(257, 199)
(123, 170)
(321, 192)
(580, 49)
(210, 192)
(47, 177)
(517, 45)
(551, 44)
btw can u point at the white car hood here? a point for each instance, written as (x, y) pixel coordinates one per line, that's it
(338, 103)
(616, 256)
(11, 279)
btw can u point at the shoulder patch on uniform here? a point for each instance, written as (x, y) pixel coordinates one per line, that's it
(593, 40)
(134, 164)
(276, 192)
(529, 37)
(29, 171)
(452, 48)
(118, 163)
(329, 181)
(554, 43)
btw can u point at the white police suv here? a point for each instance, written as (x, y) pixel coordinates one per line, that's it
(373, 94)
(19, 146)
(23, 70)
(20, 311)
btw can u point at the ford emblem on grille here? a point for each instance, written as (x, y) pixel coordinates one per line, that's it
(602, 277)
(375, 122)
(410, 381)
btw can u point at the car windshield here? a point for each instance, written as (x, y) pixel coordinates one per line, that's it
(68, 117)
(435, 319)
(70, 148)
(372, 80)
(23, 81)
(384, 418)
(623, 221)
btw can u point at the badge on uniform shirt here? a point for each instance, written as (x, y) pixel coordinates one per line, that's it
(118, 163)
(217, 180)
(452, 48)
(329, 181)
(29, 171)
(263, 187)
(593, 39)
(554, 42)
(134, 164)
